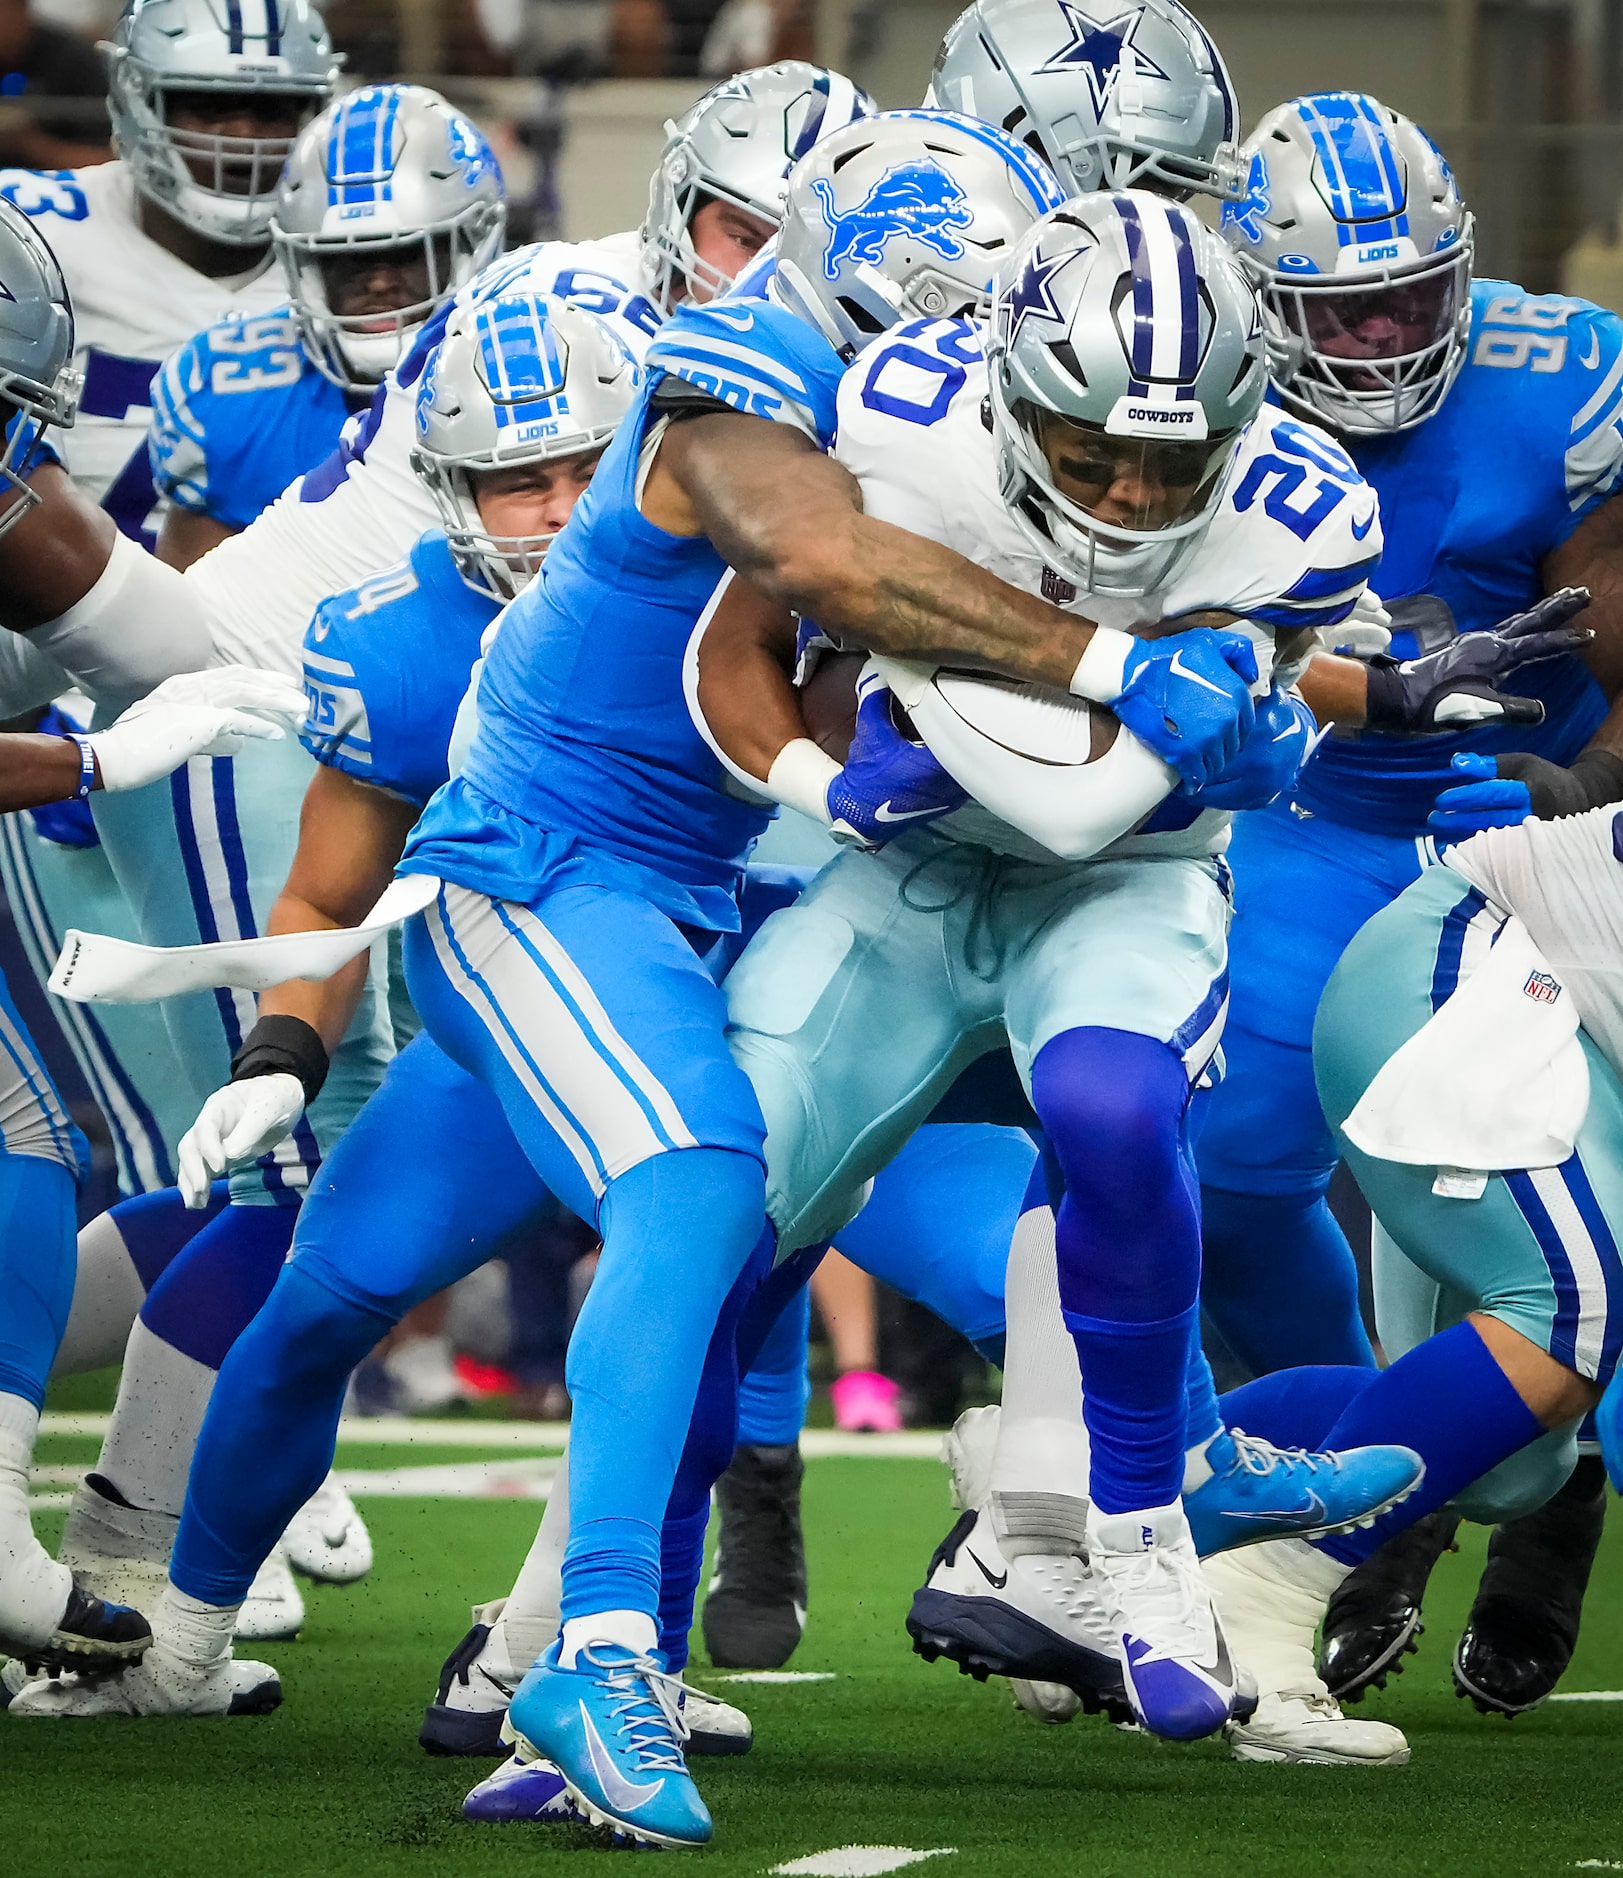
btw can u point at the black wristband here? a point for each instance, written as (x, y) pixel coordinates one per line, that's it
(1385, 699)
(283, 1046)
(1592, 778)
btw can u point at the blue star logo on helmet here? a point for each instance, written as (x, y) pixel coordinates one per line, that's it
(917, 200)
(1031, 298)
(1097, 48)
(1247, 215)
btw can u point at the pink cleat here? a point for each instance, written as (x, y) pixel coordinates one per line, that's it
(866, 1403)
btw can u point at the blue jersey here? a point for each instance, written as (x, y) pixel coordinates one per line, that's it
(385, 667)
(1529, 439)
(587, 766)
(238, 414)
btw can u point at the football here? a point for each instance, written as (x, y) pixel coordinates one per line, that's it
(1035, 721)
(828, 701)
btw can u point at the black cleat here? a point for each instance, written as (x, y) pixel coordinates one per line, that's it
(1373, 1619)
(1524, 1624)
(756, 1607)
(90, 1635)
(448, 1729)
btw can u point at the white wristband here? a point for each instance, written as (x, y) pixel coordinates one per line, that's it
(799, 778)
(1101, 672)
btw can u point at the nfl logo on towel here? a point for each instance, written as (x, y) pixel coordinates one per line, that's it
(1542, 988)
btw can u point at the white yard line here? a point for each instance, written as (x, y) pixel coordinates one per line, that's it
(859, 1861)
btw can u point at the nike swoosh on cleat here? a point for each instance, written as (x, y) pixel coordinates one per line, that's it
(1180, 670)
(1358, 534)
(1308, 1515)
(885, 813)
(997, 1584)
(623, 1795)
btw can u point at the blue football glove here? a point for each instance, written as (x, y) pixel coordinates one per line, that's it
(1270, 758)
(1482, 798)
(1187, 698)
(887, 784)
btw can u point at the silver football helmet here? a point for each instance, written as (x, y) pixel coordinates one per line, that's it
(1113, 94)
(1353, 229)
(1124, 362)
(224, 187)
(393, 172)
(737, 145)
(39, 383)
(905, 216)
(525, 378)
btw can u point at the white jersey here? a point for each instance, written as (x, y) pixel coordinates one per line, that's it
(365, 507)
(134, 304)
(1295, 537)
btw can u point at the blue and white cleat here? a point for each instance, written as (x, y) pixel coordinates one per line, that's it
(1181, 1681)
(1257, 1491)
(612, 1726)
(524, 1787)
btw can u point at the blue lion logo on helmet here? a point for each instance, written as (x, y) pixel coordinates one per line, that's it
(919, 200)
(1247, 216)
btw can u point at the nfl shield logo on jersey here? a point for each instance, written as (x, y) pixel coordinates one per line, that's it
(1541, 988)
(916, 200)
(1057, 590)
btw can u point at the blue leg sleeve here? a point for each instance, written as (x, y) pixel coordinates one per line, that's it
(1296, 1408)
(1113, 1106)
(773, 1395)
(36, 1270)
(210, 1291)
(157, 1227)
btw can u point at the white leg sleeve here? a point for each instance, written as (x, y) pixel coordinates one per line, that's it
(162, 1396)
(530, 1621)
(107, 1298)
(34, 1588)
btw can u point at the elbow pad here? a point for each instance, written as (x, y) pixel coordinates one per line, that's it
(1033, 756)
(141, 623)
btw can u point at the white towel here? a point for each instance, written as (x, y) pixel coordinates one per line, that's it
(96, 969)
(1497, 1079)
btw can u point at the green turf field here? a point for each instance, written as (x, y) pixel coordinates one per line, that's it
(885, 1752)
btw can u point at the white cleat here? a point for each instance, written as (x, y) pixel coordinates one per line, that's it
(1272, 1598)
(117, 1553)
(1049, 1702)
(967, 1448)
(1307, 1727)
(159, 1684)
(274, 1607)
(327, 1538)
(14, 1678)
(714, 1726)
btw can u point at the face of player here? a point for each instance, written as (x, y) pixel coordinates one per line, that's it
(532, 498)
(248, 115)
(1127, 482)
(381, 281)
(1387, 322)
(726, 238)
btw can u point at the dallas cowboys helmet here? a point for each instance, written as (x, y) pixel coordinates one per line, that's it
(904, 216)
(1353, 229)
(737, 145)
(1112, 93)
(1124, 362)
(223, 187)
(390, 171)
(524, 378)
(39, 384)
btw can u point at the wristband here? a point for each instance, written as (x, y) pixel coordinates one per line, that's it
(87, 764)
(1592, 779)
(1101, 672)
(283, 1046)
(799, 778)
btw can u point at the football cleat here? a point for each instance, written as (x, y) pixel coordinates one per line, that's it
(14, 1678)
(612, 1725)
(1038, 1618)
(89, 1634)
(968, 1449)
(274, 1607)
(327, 1539)
(1373, 1620)
(1180, 1679)
(1257, 1491)
(1049, 1702)
(755, 1610)
(1523, 1626)
(714, 1726)
(530, 1789)
(160, 1684)
(116, 1551)
(1306, 1727)
(476, 1684)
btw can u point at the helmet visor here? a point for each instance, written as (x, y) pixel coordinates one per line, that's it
(1354, 330)
(1139, 484)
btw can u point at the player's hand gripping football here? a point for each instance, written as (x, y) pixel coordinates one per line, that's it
(236, 1125)
(887, 784)
(214, 713)
(1269, 760)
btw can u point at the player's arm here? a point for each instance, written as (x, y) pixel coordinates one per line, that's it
(351, 834)
(186, 535)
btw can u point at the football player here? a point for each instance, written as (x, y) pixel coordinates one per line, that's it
(1355, 232)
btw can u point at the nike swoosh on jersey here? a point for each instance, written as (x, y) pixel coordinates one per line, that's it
(1594, 351)
(740, 320)
(623, 1795)
(1358, 533)
(996, 1583)
(1180, 670)
(885, 813)
(1309, 1515)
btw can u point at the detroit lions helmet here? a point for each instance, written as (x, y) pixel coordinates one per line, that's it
(391, 171)
(524, 378)
(1113, 94)
(905, 216)
(1124, 362)
(1353, 229)
(161, 50)
(39, 384)
(737, 145)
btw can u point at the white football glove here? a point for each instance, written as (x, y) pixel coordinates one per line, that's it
(195, 714)
(236, 1125)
